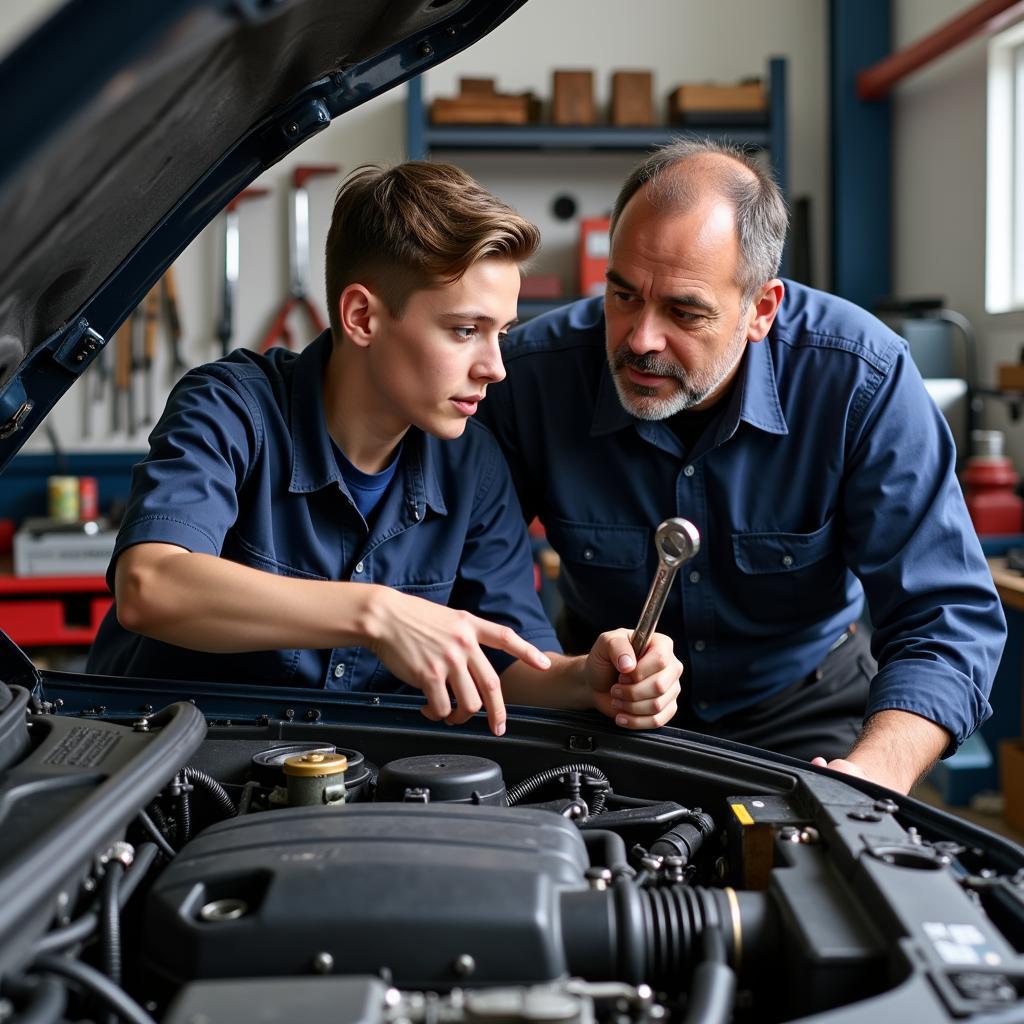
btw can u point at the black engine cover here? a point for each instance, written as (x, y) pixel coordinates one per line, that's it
(437, 894)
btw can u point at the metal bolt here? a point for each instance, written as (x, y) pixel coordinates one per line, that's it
(886, 806)
(809, 835)
(289, 713)
(313, 715)
(464, 965)
(599, 878)
(292, 128)
(59, 703)
(142, 725)
(375, 700)
(426, 49)
(323, 963)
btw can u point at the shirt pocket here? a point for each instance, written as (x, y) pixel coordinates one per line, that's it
(600, 545)
(798, 576)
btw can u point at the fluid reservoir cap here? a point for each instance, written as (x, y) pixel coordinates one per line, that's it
(315, 764)
(451, 778)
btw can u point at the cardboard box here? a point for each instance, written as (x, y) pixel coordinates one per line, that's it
(593, 254)
(632, 98)
(1011, 781)
(573, 98)
(748, 97)
(1010, 376)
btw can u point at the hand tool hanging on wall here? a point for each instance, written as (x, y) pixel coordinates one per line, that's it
(229, 277)
(150, 317)
(122, 372)
(298, 259)
(172, 319)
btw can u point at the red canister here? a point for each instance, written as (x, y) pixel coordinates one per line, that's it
(88, 497)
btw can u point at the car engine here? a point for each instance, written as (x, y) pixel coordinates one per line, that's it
(352, 860)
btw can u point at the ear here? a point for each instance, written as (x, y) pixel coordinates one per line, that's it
(764, 307)
(359, 311)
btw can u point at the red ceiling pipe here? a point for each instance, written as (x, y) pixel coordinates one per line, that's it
(874, 83)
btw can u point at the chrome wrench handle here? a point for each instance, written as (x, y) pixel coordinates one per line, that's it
(677, 541)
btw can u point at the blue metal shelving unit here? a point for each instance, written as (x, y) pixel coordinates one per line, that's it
(423, 138)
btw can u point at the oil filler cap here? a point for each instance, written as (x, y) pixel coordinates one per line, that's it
(315, 764)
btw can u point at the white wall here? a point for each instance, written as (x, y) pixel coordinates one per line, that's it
(939, 192)
(695, 40)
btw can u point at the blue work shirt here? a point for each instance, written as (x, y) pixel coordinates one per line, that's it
(828, 474)
(241, 465)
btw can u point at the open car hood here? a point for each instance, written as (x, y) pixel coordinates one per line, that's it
(129, 127)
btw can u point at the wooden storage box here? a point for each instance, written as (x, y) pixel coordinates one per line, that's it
(632, 98)
(1010, 376)
(479, 102)
(1011, 781)
(572, 98)
(747, 98)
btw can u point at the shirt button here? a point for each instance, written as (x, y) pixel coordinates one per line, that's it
(359, 566)
(588, 554)
(416, 514)
(695, 576)
(787, 560)
(699, 645)
(688, 471)
(339, 671)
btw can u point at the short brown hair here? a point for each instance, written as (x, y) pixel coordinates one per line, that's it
(416, 225)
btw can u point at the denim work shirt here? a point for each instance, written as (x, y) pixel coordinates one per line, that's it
(241, 466)
(828, 474)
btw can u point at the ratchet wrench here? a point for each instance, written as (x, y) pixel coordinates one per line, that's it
(677, 541)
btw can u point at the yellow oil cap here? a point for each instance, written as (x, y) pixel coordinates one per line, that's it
(315, 764)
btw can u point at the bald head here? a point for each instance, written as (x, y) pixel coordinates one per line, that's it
(674, 178)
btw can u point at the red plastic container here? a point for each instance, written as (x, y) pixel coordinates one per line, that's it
(989, 482)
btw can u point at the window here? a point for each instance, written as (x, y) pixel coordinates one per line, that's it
(1004, 256)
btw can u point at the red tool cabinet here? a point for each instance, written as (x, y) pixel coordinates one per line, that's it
(51, 611)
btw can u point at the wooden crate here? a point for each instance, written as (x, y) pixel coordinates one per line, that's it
(632, 98)
(482, 110)
(572, 99)
(748, 97)
(1010, 376)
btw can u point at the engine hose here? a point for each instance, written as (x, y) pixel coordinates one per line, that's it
(713, 989)
(685, 838)
(156, 834)
(88, 977)
(674, 919)
(111, 920)
(183, 810)
(592, 775)
(213, 788)
(44, 999)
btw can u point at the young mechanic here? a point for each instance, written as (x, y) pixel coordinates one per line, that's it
(336, 518)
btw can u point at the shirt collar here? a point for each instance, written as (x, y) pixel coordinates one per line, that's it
(313, 463)
(758, 405)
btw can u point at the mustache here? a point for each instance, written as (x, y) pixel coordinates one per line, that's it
(646, 363)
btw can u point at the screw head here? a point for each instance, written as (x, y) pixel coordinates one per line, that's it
(464, 965)
(323, 963)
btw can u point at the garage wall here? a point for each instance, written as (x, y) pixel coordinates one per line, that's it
(712, 40)
(939, 128)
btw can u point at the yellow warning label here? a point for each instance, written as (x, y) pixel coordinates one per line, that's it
(742, 814)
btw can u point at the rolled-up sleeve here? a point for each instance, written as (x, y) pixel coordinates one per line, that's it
(939, 628)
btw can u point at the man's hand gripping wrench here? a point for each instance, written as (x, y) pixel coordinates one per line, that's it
(677, 541)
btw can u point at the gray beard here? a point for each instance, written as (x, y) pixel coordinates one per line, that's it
(693, 388)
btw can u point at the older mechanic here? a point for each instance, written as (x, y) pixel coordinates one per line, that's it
(795, 431)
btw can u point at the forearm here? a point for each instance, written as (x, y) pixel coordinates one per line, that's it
(897, 748)
(564, 685)
(211, 604)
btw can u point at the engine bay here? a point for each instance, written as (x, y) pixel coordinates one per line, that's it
(360, 862)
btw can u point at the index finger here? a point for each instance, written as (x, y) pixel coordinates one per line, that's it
(507, 640)
(488, 685)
